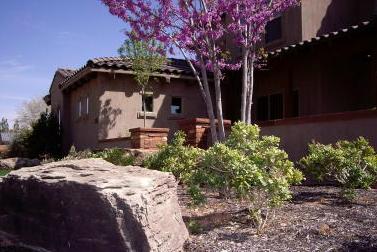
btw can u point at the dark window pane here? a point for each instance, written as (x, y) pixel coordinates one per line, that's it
(276, 106)
(176, 105)
(262, 108)
(148, 103)
(295, 101)
(273, 30)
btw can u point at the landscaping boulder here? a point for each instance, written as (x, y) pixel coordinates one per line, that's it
(17, 163)
(92, 205)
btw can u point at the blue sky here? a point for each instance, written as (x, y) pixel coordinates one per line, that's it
(38, 36)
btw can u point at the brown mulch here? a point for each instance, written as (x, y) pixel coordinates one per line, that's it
(316, 219)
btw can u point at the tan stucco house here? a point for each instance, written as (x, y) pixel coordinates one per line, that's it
(99, 103)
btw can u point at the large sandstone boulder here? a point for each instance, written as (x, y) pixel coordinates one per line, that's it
(92, 205)
(17, 163)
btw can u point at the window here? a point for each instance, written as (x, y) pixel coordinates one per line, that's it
(295, 101)
(148, 99)
(276, 106)
(176, 106)
(80, 108)
(59, 117)
(273, 30)
(87, 105)
(262, 108)
(270, 107)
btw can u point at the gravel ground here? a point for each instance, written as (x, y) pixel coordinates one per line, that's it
(316, 219)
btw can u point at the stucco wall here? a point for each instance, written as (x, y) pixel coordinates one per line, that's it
(82, 131)
(324, 16)
(115, 102)
(120, 102)
(296, 136)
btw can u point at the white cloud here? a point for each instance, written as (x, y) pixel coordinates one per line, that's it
(13, 97)
(12, 67)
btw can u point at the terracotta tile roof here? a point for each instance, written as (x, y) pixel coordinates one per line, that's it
(65, 72)
(367, 25)
(172, 67)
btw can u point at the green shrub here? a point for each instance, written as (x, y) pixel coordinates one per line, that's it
(352, 164)
(175, 158)
(247, 165)
(3, 172)
(43, 140)
(253, 167)
(115, 156)
(194, 227)
(73, 154)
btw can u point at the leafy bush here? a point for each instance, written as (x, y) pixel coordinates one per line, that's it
(175, 158)
(73, 154)
(247, 165)
(252, 166)
(115, 156)
(180, 160)
(43, 140)
(3, 172)
(352, 164)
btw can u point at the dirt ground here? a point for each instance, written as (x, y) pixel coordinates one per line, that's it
(316, 219)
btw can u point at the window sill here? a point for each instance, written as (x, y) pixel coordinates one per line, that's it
(149, 115)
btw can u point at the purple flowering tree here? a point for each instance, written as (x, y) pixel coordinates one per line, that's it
(247, 20)
(193, 27)
(197, 29)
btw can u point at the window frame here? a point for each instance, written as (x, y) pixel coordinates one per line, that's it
(87, 105)
(80, 108)
(277, 39)
(147, 95)
(181, 106)
(269, 107)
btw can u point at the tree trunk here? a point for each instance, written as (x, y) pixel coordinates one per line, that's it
(250, 88)
(219, 107)
(205, 92)
(144, 110)
(208, 102)
(245, 70)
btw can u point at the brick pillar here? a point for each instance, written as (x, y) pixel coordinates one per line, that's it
(198, 131)
(148, 138)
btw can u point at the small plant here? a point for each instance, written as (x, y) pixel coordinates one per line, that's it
(194, 227)
(3, 172)
(77, 155)
(352, 164)
(115, 156)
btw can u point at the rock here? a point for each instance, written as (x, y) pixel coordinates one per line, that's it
(17, 163)
(92, 205)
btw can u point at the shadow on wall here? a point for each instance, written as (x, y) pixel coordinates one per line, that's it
(108, 117)
(343, 13)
